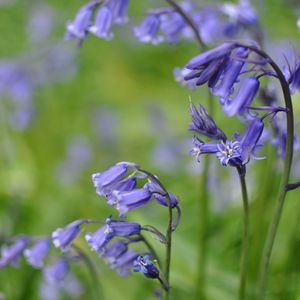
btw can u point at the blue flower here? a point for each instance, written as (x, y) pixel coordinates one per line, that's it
(231, 72)
(57, 272)
(230, 153)
(114, 250)
(119, 9)
(36, 255)
(11, 255)
(102, 236)
(79, 27)
(129, 200)
(109, 180)
(103, 23)
(245, 95)
(147, 32)
(124, 262)
(145, 265)
(203, 123)
(63, 237)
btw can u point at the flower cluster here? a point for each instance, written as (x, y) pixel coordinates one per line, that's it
(234, 152)
(113, 239)
(109, 13)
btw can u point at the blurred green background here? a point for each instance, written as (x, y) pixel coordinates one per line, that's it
(122, 103)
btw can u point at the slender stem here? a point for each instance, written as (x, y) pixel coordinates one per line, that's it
(92, 270)
(285, 175)
(168, 231)
(190, 22)
(245, 245)
(151, 249)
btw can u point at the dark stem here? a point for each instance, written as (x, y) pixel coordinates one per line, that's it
(245, 245)
(285, 175)
(168, 232)
(92, 271)
(190, 22)
(151, 249)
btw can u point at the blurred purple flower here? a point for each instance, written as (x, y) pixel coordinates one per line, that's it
(56, 272)
(63, 237)
(36, 255)
(11, 255)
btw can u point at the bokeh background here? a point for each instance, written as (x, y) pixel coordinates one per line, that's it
(86, 109)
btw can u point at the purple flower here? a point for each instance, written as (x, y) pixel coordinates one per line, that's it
(36, 255)
(79, 27)
(63, 237)
(57, 272)
(102, 236)
(203, 123)
(231, 73)
(147, 32)
(205, 58)
(292, 75)
(145, 265)
(201, 147)
(114, 250)
(124, 263)
(103, 23)
(230, 153)
(243, 99)
(119, 9)
(105, 182)
(126, 201)
(11, 255)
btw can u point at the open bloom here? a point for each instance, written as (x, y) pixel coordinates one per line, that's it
(145, 265)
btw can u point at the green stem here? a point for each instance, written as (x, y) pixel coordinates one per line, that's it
(151, 249)
(168, 232)
(245, 245)
(92, 271)
(285, 175)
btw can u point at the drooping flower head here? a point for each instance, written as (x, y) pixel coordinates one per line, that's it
(36, 255)
(56, 272)
(63, 237)
(145, 265)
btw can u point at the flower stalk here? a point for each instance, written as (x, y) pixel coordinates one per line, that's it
(245, 245)
(285, 175)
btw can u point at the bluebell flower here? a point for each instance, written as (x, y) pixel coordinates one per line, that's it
(63, 237)
(218, 53)
(243, 99)
(11, 255)
(292, 75)
(148, 31)
(105, 182)
(232, 152)
(129, 200)
(119, 9)
(203, 123)
(56, 272)
(231, 73)
(36, 255)
(114, 250)
(145, 265)
(101, 27)
(123, 264)
(99, 239)
(79, 27)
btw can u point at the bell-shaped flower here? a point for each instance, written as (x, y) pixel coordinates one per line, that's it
(145, 265)
(36, 255)
(147, 32)
(126, 201)
(203, 123)
(63, 237)
(11, 255)
(101, 27)
(56, 272)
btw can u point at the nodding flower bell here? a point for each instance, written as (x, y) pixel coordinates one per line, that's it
(145, 265)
